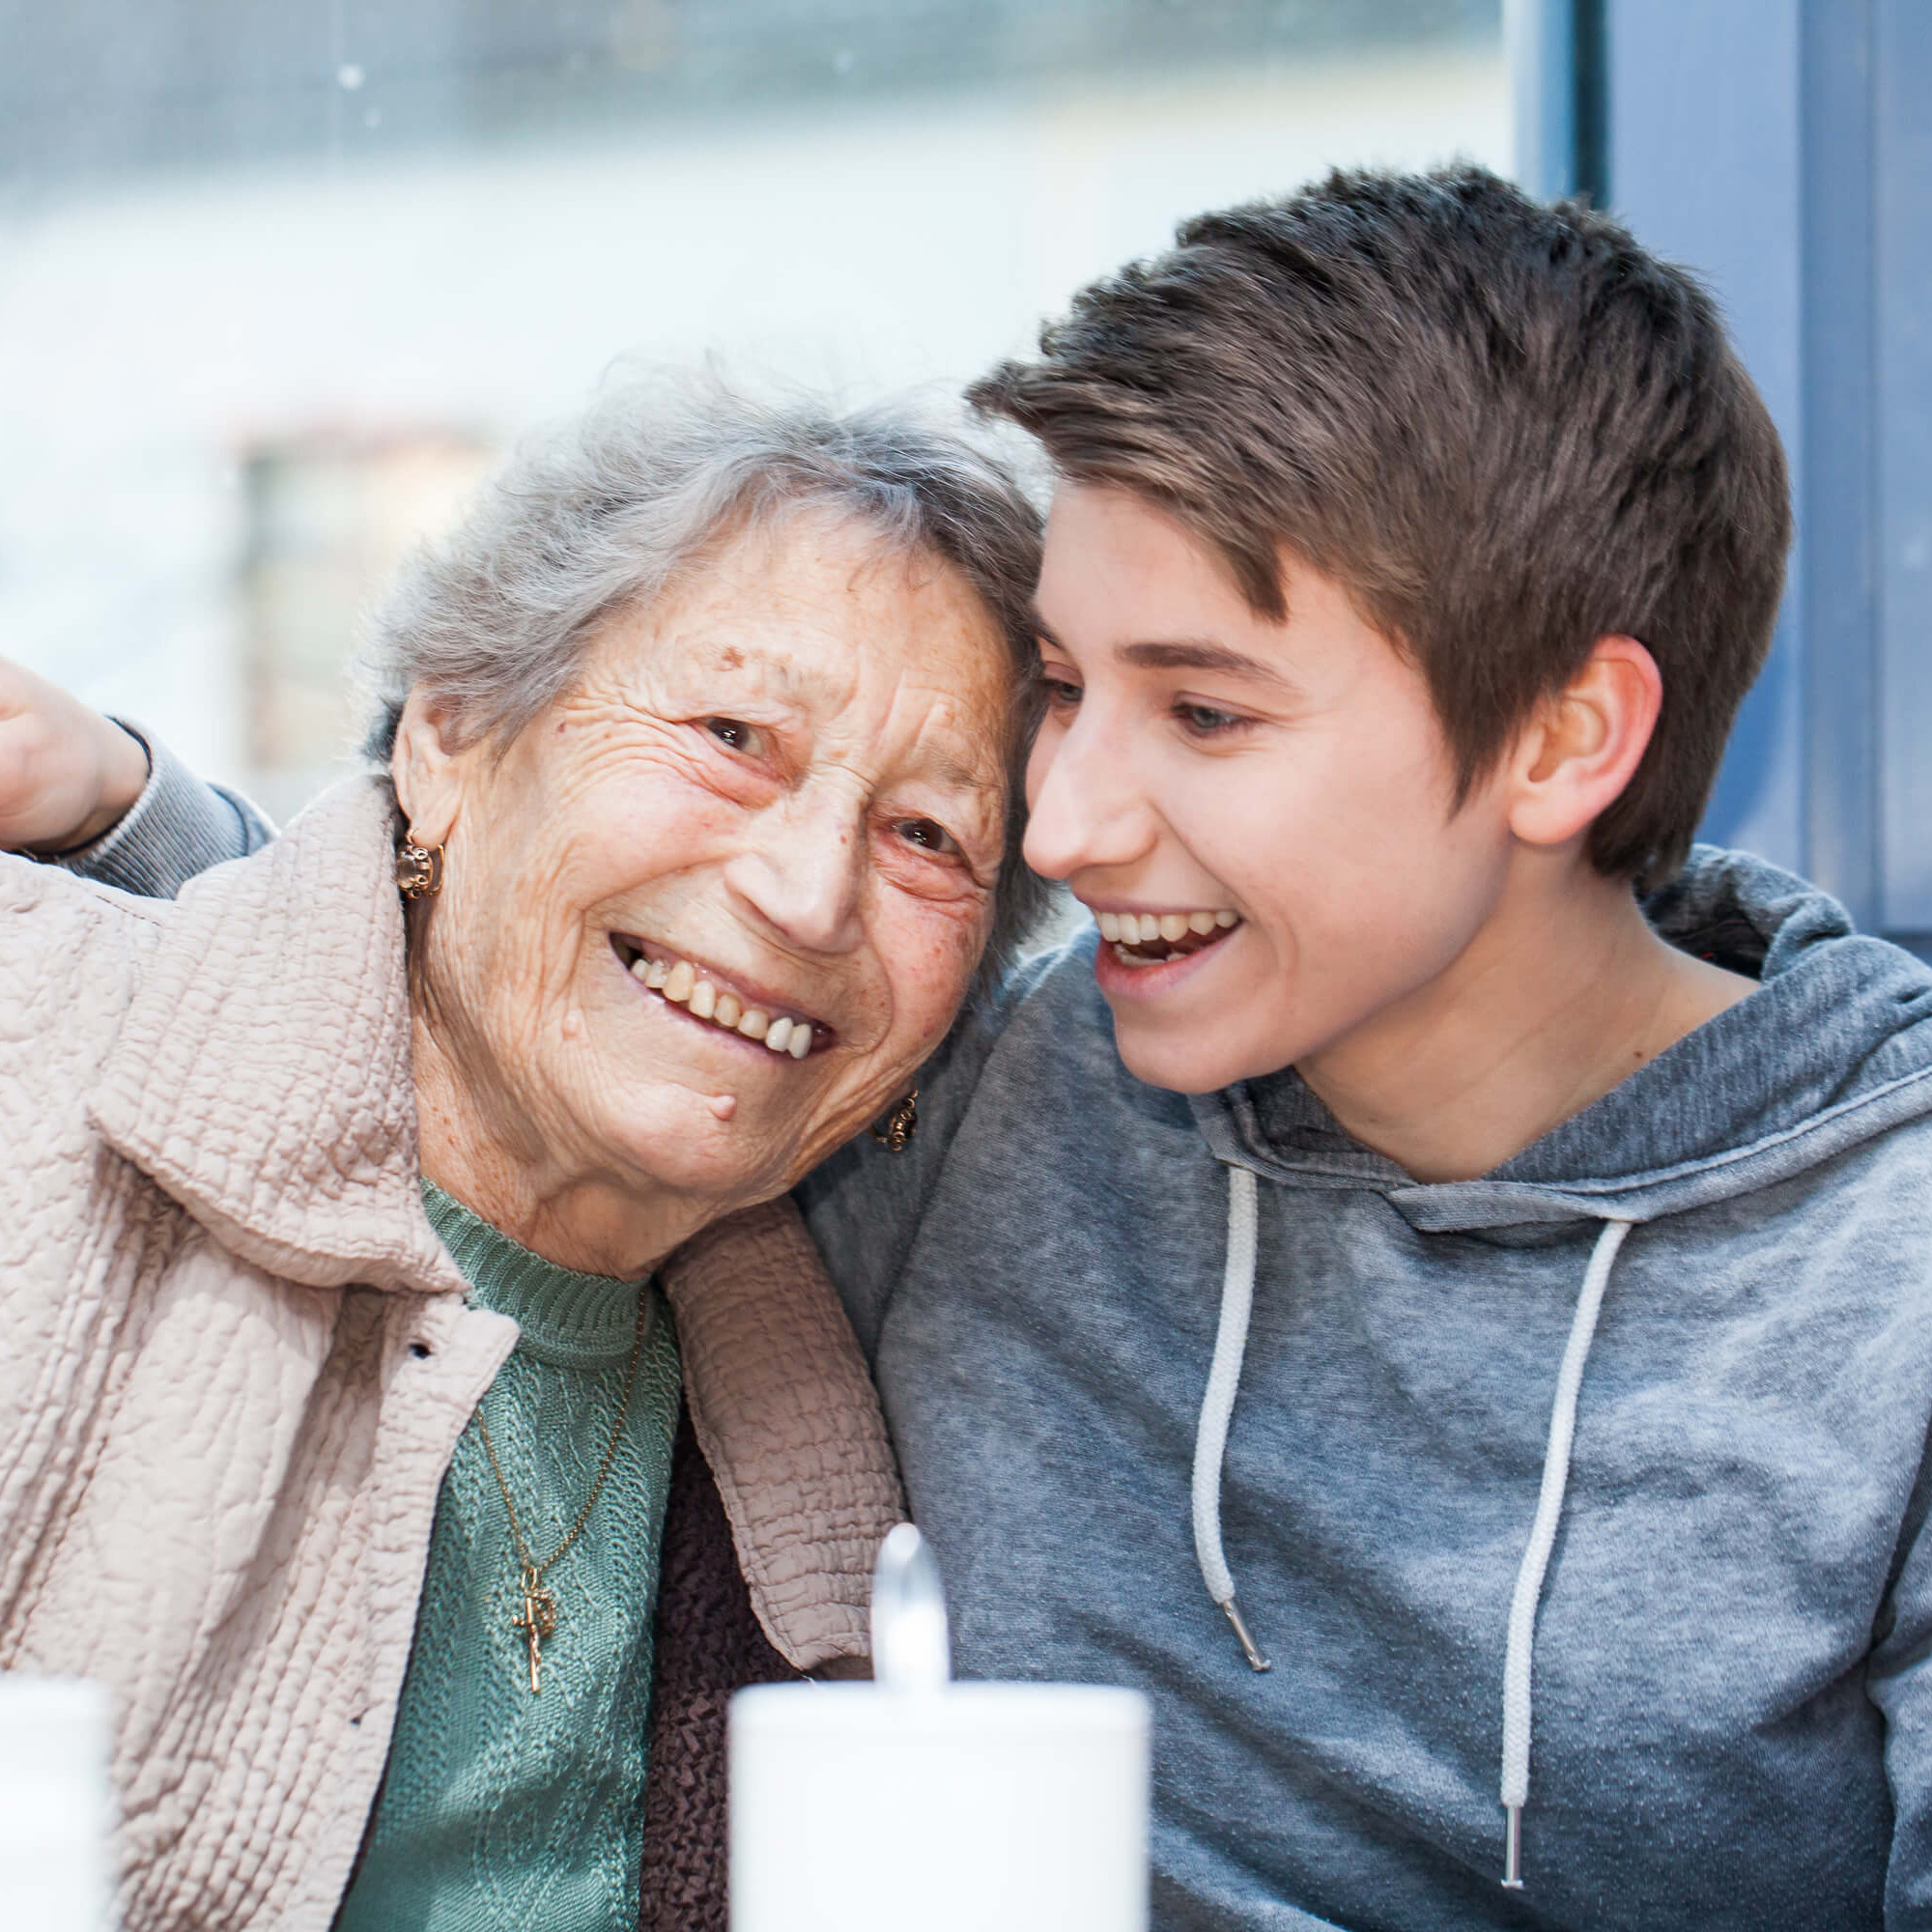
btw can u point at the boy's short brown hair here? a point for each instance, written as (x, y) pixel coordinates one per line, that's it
(1505, 429)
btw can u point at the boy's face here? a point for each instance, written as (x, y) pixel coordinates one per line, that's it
(1197, 760)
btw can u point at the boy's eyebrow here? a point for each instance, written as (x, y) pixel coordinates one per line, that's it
(1200, 654)
(1180, 654)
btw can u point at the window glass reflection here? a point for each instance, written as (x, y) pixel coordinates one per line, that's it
(276, 283)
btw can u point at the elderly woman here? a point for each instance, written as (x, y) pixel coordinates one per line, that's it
(338, 1393)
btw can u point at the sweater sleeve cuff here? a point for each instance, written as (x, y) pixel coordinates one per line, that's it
(178, 827)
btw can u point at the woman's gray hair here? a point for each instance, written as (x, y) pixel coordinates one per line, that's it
(612, 510)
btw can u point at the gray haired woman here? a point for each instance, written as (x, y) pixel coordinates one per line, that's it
(339, 1395)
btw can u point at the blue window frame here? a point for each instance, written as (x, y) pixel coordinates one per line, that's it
(1783, 148)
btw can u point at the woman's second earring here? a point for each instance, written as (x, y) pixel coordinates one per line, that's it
(419, 870)
(895, 1130)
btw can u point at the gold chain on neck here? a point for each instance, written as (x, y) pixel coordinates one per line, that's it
(539, 1618)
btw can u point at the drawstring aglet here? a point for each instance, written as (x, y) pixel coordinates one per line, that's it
(1513, 1848)
(1250, 1649)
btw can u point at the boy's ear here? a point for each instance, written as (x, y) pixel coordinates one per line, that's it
(1585, 743)
(428, 774)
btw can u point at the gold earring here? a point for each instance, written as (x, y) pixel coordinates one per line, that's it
(418, 869)
(896, 1131)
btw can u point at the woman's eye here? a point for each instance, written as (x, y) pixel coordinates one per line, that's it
(928, 835)
(733, 732)
(1059, 694)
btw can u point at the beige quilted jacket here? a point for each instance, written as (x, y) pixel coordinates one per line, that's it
(235, 1362)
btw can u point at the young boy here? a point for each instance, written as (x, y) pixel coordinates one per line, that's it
(1552, 1257)
(1566, 1423)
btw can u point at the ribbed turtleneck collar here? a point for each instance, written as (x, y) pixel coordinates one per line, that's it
(564, 1316)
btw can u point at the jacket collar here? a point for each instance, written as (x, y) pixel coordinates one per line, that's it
(262, 1078)
(789, 1422)
(262, 1075)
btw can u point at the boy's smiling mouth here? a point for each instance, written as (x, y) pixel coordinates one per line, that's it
(1142, 939)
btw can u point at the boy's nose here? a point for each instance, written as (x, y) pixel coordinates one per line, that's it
(1086, 809)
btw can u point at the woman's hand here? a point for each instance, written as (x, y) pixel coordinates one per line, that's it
(67, 774)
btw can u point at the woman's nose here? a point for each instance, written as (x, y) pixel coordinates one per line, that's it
(1086, 808)
(803, 874)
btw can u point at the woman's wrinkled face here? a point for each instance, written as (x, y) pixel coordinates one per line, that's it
(705, 917)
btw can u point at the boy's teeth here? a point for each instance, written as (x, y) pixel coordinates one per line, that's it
(680, 985)
(1144, 928)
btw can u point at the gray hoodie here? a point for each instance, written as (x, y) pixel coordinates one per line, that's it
(1712, 1600)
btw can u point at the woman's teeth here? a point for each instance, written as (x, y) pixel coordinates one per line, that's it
(682, 986)
(1146, 938)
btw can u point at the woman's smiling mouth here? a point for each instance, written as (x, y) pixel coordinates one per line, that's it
(714, 999)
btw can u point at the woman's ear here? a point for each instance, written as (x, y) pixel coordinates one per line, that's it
(1585, 744)
(427, 773)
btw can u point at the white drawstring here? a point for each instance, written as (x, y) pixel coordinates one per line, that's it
(1542, 1538)
(1217, 1407)
(1210, 1443)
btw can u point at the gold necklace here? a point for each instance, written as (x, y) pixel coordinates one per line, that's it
(538, 1622)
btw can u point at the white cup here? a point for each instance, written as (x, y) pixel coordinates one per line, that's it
(967, 1807)
(56, 1814)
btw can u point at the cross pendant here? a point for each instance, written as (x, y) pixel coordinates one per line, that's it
(537, 1622)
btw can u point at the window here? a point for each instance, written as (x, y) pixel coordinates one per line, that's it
(277, 279)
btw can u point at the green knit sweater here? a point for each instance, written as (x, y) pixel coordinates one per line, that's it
(501, 1811)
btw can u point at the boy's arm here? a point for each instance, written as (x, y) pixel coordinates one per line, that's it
(1900, 1682)
(80, 790)
(177, 827)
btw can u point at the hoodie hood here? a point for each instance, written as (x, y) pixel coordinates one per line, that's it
(1833, 1048)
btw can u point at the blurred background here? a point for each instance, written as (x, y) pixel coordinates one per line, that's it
(279, 282)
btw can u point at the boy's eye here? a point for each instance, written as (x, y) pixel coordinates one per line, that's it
(733, 732)
(1205, 721)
